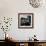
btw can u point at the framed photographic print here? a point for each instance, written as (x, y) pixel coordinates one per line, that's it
(25, 20)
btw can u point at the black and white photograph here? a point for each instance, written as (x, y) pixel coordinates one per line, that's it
(25, 20)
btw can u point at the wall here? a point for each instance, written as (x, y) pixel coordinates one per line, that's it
(11, 8)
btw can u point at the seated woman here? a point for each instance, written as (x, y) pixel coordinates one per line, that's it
(10, 38)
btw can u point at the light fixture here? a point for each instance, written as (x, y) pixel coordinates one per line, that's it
(36, 3)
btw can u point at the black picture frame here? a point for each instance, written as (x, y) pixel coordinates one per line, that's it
(25, 20)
